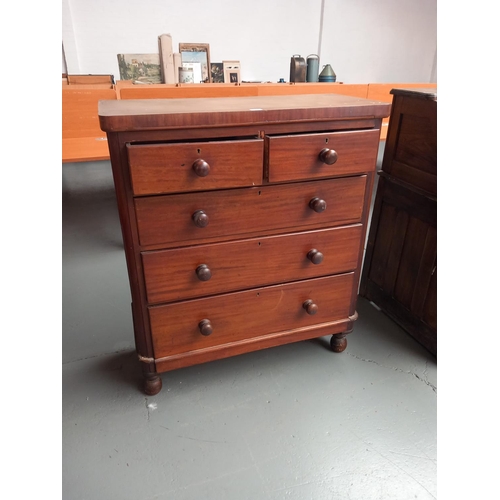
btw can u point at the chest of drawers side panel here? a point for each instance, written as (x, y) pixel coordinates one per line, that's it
(128, 223)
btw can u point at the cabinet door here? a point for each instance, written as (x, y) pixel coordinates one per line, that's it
(399, 273)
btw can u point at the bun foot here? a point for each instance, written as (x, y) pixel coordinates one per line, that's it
(152, 384)
(338, 342)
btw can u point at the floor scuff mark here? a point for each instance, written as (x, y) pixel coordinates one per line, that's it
(424, 380)
(150, 407)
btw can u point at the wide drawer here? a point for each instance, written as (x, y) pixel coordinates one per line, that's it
(173, 219)
(202, 270)
(178, 327)
(305, 156)
(195, 166)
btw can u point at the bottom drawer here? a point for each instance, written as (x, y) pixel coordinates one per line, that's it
(212, 321)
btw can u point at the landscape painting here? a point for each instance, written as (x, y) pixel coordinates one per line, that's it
(140, 68)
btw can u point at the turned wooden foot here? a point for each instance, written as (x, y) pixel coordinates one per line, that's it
(338, 342)
(152, 384)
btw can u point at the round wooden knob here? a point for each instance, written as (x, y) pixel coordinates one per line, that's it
(200, 218)
(315, 256)
(318, 205)
(201, 168)
(328, 156)
(203, 272)
(310, 307)
(205, 327)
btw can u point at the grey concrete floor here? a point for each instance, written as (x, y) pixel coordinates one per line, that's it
(294, 422)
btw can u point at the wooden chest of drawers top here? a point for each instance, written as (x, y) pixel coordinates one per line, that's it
(164, 114)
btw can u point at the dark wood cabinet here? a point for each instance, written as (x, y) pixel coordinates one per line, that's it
(243, 220)
(400, 268)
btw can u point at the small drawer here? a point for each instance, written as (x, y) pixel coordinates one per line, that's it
(183, 273)
(312, 156)
(214, 321)
(189, 218)
(195, 166)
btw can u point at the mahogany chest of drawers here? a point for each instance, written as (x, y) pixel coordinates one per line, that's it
(243, 220)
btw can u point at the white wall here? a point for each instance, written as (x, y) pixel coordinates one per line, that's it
(380, 40)
(364, 40)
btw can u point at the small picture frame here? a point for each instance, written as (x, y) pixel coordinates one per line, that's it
(217, 72)
(232, 72)
(197, 53)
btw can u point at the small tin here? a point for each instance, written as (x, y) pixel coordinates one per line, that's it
(327, 74)
(297, 69)
(312, 68)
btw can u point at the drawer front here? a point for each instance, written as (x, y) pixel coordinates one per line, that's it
(297, 157)
(172, 219)
(198, 271)
(169, 168)
(243, 315)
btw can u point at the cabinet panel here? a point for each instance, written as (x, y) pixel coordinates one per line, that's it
(411, 149)
(399, 273)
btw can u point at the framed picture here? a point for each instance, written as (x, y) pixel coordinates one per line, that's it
(231, 71)
(217, 71)
(197, 53)
(140, 68)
